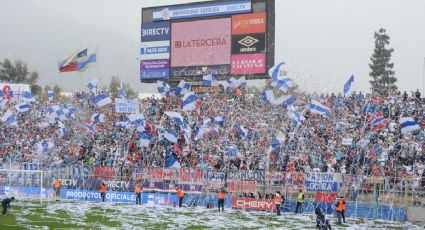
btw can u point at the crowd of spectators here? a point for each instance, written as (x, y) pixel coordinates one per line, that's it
(315, 145)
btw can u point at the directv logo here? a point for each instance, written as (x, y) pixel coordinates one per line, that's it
(155, 31)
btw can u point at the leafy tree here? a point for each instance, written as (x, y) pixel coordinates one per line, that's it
(43, 93)
(17, 72)
(382, 73)
(115, 85)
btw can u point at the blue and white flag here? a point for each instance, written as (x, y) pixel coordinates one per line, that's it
(92, 86)
(171, 162)
(282, 84)
(22, 107)
(241, 130)
(98, 118)
(171, 135)
(121, 92)
(44, 146)
(295, 116)
(62, 131)
(145, 139)
(163, 88)
(286, 100)
(177, 119)
(220, 120)
(319, 108)
(121, 124)
(50, 95)
(277, 141)
(209, 81)
(189, 102)
(235, 83)
(233, 152)
(27, 96)
(138, 120)
(408, 124)
(9, 118)
(182, 88)
(276, 71)
(200, 131)
(348, 86)
(102, 100)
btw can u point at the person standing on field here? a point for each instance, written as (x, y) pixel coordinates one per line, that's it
(138, 191)
(278, 202)
(300, 200)
(220, 197)
(102, 191)
(57, 187)
(180, 195)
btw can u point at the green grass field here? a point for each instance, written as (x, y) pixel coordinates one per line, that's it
(89, 215)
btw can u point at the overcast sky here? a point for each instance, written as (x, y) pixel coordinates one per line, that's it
(322, 42)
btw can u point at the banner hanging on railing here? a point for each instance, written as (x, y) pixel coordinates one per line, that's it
(329, 182)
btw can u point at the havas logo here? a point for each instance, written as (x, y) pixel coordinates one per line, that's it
(248, 41)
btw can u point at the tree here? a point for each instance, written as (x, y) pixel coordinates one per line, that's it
(115, 85)
(382, 74)
(18, 72)
(43, 93)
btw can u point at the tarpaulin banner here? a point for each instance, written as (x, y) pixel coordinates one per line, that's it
(325, 197)
(242, 186)
(126, 105)
(171, 187)
(247, 175)
(253, 204)
(294, 180)
(104, 172)
(329, 182)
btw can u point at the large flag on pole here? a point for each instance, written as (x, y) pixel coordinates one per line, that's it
(348, 85)
(79, 61)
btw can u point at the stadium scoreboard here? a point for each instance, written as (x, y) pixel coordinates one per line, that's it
(224, 38)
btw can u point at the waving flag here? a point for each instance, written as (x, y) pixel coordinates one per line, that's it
(171, 162)
(97, 118)
(283, 84)
(241, 130)
(199, 132)
(27, 96)
(102, 100)
(295, 116)
(78, 61)
(177, 119)
(92, 86)
(220, 120)
(378, 120)
(182, 88)
(171, 136)
(121, 92)
(318, 108)
(44, 146)
(408, 124)
(121, 124)
(145, 139)
(277, 141)
(9, 118)
(232, 152)
(22, 107)
(50, 95)
(276, 71)
(137, 120)
(163, 88)
(235, 83)
(348, 85)
(287, 100)
(189, 102)
(209, 81)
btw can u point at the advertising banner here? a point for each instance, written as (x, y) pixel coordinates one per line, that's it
(248, 63)
(126, 105)
(205, 89)
(155, 69)
(156, 31)
(207, 9)
(198, 43)
(253, 204)
(242, 186)
(328, 182)
(200, 70)
(13, 91)
(155, 50)
(93, 195)
(249, 23)
(248, 44)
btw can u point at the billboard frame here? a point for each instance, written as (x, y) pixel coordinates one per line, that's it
(147, 17)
